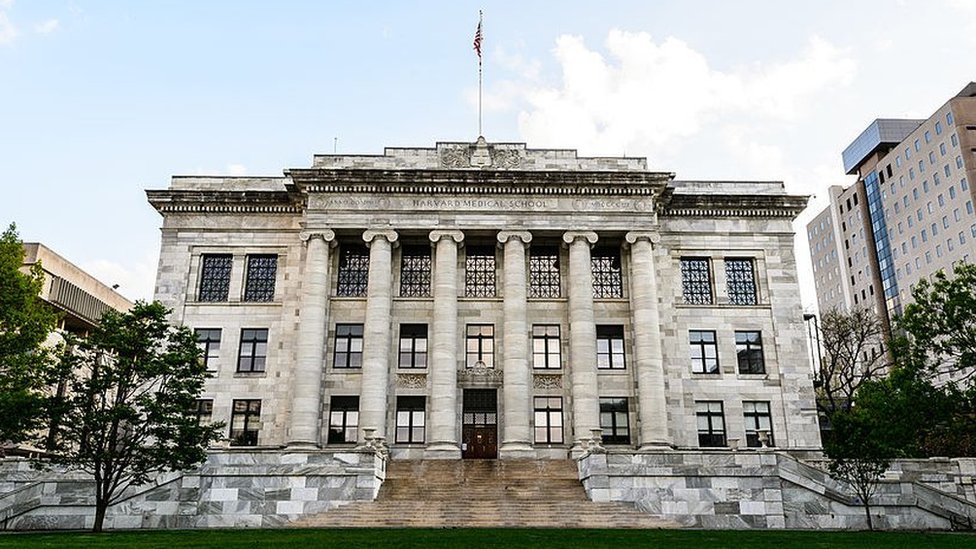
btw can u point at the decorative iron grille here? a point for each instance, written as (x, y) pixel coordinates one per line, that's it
(353, 272)
(415, 267)
(741, 280)
(696, 280)
(607, 279)
(544, 273)
(215, 277)
(261, 273)
(479, 272)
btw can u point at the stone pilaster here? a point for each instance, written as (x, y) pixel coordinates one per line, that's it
(516, 432)
(648, 358)
(377, 331)
(306, 409)
(582, 338)
(443, 425)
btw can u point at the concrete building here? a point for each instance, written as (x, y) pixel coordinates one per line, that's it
(909, 215)
(487, 300)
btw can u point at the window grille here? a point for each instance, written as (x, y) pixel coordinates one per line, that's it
(607, 278)
(696, 280)
(741, 281)
(479, 272)
(261, 273)
(544, 272)
(415, 268)
(215, 277)
(353, 272)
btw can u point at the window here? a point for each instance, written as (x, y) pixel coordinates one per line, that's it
(607, 279)
(614, 421)
(245, 422)
(353, 271)
(748, 350)
(413, 346)
(480, 346)
(415, 267)
(410, 419)
(253, 350)
(214, 277)
(954, 140)
(711, 423)
(757, 418)
(548, 420)
(952, 192)
(696, 280)
(348, 346)
(203, 411)
(741, 281)
(545, 346)
(261, 273)
(610, 347)
(343, 419)
(479, 271)
(938, 128)
(544, 272)
(704, 352)
(208, 339)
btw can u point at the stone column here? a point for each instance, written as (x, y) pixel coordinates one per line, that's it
(377, 331)
(443, 424)
(648, 360)
(582, 338)
(516, 391)
(306, 404)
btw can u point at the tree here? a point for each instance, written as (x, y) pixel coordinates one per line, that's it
(941, 324)
(26, 321)
(128, 413)
(852, 344)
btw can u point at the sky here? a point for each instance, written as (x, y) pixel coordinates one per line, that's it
(100, 100)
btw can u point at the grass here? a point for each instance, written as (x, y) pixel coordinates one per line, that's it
(481, 538)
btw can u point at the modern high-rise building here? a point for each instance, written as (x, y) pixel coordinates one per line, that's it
(909, 215)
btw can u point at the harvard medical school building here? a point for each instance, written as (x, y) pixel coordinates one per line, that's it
(909, 215)
(488, 300)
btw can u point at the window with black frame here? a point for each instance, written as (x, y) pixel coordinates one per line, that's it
(704, 351)
(610, 347)
(413, 346)
(253, 352)
(711, 423)
(749, 352)
(614, 420)
(353, 277)
(348, 346)
(480, 346)
(208, 339)
(203, 411)
(758, 419)
(545, 347)
(343, 419)
(548, 420)
(245, 422)
(411, 419)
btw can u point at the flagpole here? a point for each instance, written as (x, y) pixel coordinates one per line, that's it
(480, 18)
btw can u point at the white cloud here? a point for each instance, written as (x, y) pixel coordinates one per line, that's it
(136, 280)
(8, 32)
(47, 27)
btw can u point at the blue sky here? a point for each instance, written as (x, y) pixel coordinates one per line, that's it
(100, 100)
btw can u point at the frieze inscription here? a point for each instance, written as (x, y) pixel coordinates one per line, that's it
(480, 204)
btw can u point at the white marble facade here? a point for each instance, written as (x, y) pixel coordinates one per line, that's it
(505, 200)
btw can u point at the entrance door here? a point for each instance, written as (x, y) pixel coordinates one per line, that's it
(479, 426)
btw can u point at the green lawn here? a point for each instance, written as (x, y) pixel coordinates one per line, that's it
(479, 538)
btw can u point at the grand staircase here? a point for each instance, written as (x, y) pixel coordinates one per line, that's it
(485, 494)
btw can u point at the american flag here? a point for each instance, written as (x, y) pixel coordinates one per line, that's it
(477, 40)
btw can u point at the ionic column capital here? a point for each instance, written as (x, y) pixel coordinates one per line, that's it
(572, 236)
(372, 234)
(327, 235)
(453, 234)
(524, 236)
(651, 236)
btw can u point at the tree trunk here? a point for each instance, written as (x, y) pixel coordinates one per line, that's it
(100, 507)
(867, 513)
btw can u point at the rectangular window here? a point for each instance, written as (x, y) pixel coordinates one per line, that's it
(480, 349)
(545, 346)
(413, 346)
(343, 419)
(614, 420)
(748, 350)
(253, 350)
(544, 272)
(548, 420)
(348, 346)
(259, 285)
(411, 419)
(208, 339)
(696, 280)
(353, 271)
(415, 267)
(610, 347)
(757, 419)
(214, 277)
(704, 352)
(741, 280)
(607, 278)
(711, 423)
(245, 422)
(203, 411)
(479, 271)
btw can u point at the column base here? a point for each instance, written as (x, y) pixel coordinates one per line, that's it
(655, 446)
(516, 450)
(442, 450)
(302, 445)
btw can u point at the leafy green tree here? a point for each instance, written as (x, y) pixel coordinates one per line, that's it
(26, 321)
(128, 414)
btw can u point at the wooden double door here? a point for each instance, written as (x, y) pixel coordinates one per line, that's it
(479, 424)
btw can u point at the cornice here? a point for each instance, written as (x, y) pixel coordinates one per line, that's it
(709, 205)
(256, 202)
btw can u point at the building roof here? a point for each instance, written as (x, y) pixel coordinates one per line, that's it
(881, 132)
